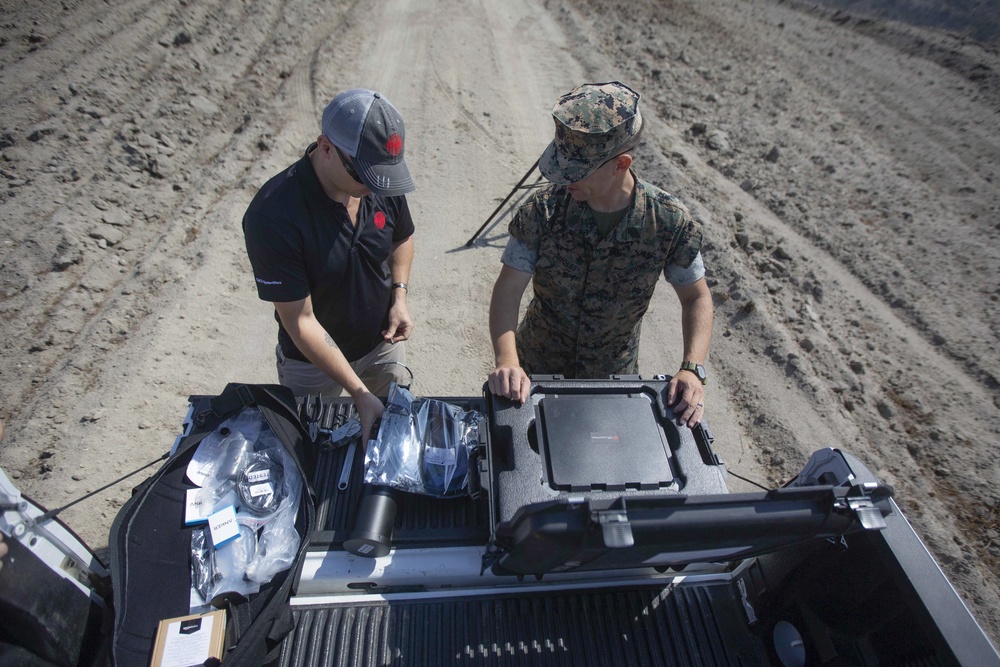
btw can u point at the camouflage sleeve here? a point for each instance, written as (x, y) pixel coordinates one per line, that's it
(526, 226)
(517, 255)
(680, 275)
(687, 238)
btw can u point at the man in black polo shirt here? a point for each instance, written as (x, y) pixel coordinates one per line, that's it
(330, 241)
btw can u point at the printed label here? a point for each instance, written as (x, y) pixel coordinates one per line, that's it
(258, 490)
(439, 456)
(256, 476)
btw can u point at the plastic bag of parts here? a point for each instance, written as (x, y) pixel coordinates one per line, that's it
(423, 446)
(245, 465)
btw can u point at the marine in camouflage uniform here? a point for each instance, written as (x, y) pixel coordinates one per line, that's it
(590, 293)
(594, 268)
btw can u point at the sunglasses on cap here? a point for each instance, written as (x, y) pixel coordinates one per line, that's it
(348, 167)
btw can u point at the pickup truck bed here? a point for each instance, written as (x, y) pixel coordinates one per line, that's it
(875, 597)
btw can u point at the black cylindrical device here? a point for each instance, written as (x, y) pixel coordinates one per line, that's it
(372, 533)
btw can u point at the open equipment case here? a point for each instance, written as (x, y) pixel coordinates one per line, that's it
(600, 532)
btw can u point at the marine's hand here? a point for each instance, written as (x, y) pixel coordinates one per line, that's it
(369, 409)
(686, 395)
(511, 382)
(400, 323)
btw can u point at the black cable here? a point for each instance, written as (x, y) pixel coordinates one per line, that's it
(52, 513)
(749, 481)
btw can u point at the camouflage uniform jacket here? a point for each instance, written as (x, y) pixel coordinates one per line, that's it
(590, 293)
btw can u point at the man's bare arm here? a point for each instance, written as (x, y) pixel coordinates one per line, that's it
(686, 392)
(508, 378)
(316, 344)
(400, 321)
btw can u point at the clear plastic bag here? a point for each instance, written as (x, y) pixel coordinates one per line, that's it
(423, 446)
(222, 570)
(243, 463)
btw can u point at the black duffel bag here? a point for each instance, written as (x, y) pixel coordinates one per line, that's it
(151, 545)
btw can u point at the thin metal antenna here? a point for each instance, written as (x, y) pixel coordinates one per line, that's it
(502, 204)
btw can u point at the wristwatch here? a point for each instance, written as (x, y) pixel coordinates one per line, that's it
(697, 369)
(402, 286)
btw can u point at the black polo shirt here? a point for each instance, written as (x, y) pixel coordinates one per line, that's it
(302, 243)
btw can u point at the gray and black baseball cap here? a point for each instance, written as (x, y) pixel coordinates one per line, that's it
(366, 126)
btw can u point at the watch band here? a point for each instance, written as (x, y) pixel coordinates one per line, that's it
(697, 369)
(404, 286)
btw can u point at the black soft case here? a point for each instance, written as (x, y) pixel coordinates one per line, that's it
(150, 545)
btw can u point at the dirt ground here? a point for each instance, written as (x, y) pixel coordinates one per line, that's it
(846, 170)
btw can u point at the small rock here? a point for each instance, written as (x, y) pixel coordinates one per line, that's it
(93, 112)
(203, 104)
(807, 345)
(144, 426)
(773, 155)
(885, 410)
(110, 234)
(182, 38)
(699, 128)
(116, 217)
(76, 478)
(39, 133)
(781, 253)
(747, 185)
(717, 140)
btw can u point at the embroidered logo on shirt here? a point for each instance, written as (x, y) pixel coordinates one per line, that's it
(379, 219)
(268, 282)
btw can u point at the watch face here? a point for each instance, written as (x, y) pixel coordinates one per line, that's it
(699, 370)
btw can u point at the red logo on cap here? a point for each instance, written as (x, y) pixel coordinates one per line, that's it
(379, 219)
(394, 145)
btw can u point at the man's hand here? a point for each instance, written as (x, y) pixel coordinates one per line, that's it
(400, 323)
(686, 395)
(511, 382)
(369, 409)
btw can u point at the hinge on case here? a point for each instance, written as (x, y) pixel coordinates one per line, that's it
(615, 528)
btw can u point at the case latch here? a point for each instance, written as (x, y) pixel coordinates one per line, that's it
(615, 528)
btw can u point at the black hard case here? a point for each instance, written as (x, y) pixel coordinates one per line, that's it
(150, 545)
(597, 475)
(524, 440)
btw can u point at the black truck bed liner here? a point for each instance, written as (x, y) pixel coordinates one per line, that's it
(665, 624)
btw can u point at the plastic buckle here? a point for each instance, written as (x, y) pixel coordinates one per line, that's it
(245, 395)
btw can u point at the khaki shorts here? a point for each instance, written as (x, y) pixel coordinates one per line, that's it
(378, 369)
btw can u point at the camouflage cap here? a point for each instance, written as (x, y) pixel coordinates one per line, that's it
(593, 123)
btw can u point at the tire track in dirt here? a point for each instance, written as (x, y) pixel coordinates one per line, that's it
(158, 256)
(114, 296)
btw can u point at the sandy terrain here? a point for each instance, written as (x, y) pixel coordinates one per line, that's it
(846, 171)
